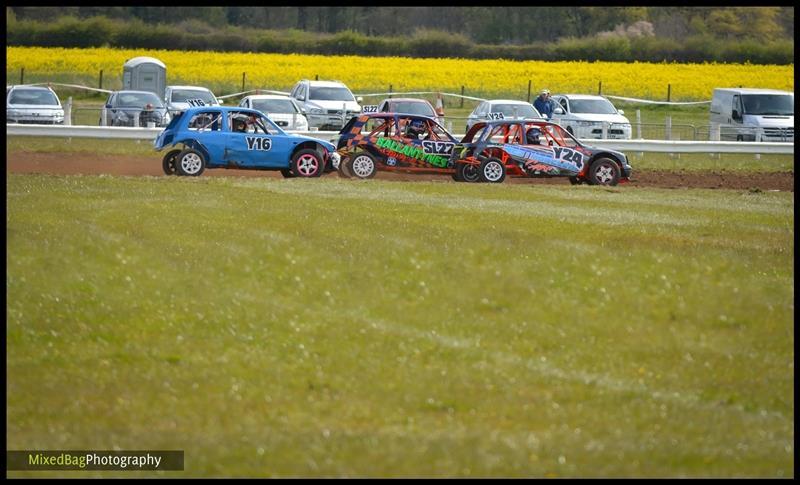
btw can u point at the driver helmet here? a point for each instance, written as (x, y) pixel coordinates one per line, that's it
(416, 128)
(532, 137)
(239, 124)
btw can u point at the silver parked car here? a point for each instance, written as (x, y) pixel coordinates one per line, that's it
(583, 115)
(180, 98)
(33, 104)
(281, 109)
(496, 109)
(327, 104)
(123, 107)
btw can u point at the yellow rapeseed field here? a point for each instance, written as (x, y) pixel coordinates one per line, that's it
(222, 72)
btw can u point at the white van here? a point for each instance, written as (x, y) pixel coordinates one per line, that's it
(746, 114)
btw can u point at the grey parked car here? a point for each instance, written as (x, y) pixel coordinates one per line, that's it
(33, 104)
(122, 108)
(328, 105)
(283, 110)
(497, 109)
(180, 98)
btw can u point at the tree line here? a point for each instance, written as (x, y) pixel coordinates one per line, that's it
(683, 34)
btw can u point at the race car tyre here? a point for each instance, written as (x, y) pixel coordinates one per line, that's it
(575, 181)
(168, 163)
(307, 163)
(345, 171)
(190, 163)
(287, 173)
(492, 171)
(362, 165)
(604, 171)
(468, 172)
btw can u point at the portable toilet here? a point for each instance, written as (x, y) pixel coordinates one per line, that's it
(145, 74)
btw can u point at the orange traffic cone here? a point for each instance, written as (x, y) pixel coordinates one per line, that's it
(439, 106)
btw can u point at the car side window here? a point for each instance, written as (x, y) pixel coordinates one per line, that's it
(563, 103)
(437, 133)
(377, 127)
(243, 122)
(205, 121)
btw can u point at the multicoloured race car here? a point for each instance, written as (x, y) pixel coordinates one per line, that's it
(217, 137)
(394, 142)
(534, 148)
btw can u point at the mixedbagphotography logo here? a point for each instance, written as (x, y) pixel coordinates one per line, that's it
(167, 460)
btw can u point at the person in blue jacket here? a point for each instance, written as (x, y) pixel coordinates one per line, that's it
(543, 104)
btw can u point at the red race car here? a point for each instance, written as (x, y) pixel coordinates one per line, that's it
(534, 148)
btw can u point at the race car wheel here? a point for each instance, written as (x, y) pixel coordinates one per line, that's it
(287, 173)
(604, 171)
(492, 170)
(467, 172)
(190, 163)
(363, 165)
(307, 163)
(168, 163)
(344, 168)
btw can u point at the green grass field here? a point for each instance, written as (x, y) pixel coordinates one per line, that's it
(331, 327)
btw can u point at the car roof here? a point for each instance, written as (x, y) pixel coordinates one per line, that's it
(506, 101)
(223, 109)
(581, 96)
(407, 100)
(391, 114)
(512, 122)
(135, 91)
(324, 83)
(188, 87)
(268, 96)
(27, 86)
(753, 91)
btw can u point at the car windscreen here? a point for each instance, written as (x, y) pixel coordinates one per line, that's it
(33, 96)
(768, 104)
(594, 106)
(518, 110)
(331, 94)
(184, 95)
(274, 105)
(138, 100)
(412, 108)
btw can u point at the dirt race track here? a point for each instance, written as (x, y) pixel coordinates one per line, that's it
(83, 163)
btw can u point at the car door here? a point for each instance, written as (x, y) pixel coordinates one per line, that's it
(206, 129)
(263, 145)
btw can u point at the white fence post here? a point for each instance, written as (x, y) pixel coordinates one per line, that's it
(68, 112)
(638, 124)
(103, 117)
(136, 119)
(714, 132)
(668, 128)
(604, 134)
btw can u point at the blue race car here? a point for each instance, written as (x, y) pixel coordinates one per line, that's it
(217, 137)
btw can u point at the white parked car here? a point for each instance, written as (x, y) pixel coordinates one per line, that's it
(495, 109)
(583, 115)
(281, 109)
(33, 104)
(180, 98)
(328, 105)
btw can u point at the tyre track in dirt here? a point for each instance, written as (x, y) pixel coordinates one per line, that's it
(95, 164)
